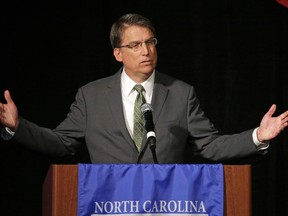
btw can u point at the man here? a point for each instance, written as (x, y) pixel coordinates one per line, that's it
(102, 115)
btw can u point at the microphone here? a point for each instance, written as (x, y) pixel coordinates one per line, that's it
(146, 110)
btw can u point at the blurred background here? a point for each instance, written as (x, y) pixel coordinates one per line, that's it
(235, 53)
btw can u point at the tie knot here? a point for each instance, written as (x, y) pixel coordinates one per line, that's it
(139, 88)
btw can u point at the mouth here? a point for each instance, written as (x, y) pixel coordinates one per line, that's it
(146, 62)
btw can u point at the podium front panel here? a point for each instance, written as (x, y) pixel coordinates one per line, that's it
(60, 190)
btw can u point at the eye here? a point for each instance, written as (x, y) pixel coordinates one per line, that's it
(150, 42)
(134, 44)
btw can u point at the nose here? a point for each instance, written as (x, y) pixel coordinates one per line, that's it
(144, 48)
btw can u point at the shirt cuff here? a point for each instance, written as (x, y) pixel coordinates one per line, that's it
(260, 145)
(6, 133)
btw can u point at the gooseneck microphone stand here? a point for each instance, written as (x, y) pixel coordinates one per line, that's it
(152, 143)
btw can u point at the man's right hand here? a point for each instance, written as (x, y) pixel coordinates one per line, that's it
(9, 113)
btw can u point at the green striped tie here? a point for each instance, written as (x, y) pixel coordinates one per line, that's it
(139, 129)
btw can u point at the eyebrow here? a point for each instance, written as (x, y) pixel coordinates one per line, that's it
(141, 41)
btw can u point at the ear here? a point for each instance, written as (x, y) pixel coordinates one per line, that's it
(117, 54)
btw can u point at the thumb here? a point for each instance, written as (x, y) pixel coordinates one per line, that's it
(271, 111)
(8, 97)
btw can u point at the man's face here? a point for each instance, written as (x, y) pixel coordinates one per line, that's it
(139, 63)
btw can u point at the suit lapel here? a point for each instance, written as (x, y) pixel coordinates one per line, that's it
(160, 93)
(114, 98)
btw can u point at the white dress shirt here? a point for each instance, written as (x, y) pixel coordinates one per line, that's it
(129, 96)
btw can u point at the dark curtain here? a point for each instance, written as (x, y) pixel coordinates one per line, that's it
(233, 52)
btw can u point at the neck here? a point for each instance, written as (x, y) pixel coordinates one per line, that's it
(139, 78)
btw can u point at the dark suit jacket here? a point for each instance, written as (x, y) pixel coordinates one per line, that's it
(96, 119)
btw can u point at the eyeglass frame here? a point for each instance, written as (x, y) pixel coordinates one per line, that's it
(135, 46)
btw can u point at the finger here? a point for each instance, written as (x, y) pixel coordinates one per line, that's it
(284, 118)
(8, 97)
(272, 110)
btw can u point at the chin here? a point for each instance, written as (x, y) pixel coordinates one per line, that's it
(148, 69)
(148, 72)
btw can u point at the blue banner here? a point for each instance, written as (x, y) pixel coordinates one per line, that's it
(150, 189)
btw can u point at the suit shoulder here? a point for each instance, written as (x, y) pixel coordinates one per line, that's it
(99, 83)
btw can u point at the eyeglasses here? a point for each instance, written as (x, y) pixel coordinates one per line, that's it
(135, 46)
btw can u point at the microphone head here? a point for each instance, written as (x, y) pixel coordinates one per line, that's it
(146, 107)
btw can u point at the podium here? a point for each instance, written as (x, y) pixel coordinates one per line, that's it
(60, 190)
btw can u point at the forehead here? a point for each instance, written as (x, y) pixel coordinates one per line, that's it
(136, 33)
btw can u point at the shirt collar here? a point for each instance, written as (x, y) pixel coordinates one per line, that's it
(127, 84)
